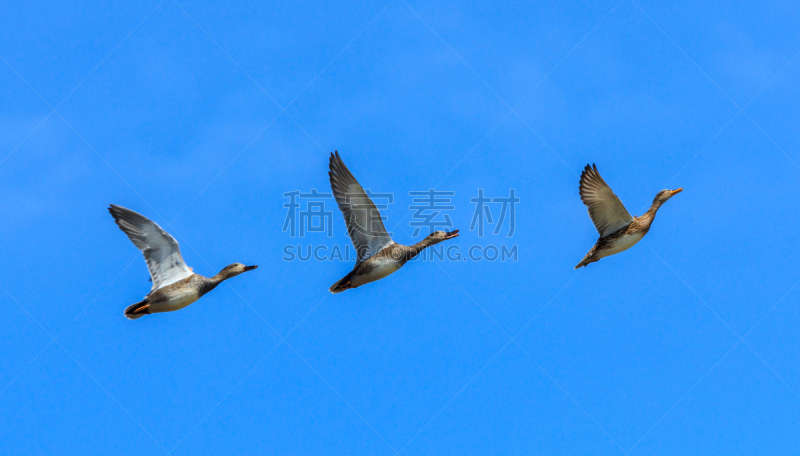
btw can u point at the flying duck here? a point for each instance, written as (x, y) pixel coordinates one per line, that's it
(175, 286)
(378, 255)
(618, 230)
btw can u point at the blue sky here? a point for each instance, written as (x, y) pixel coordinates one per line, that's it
(202, 115)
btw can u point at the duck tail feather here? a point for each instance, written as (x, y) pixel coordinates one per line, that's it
(589, 258)
(138, 310)
(341, 285)
(586, 260)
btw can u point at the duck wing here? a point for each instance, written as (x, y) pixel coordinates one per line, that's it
(161, 251)
(605, 209)
(363, 220)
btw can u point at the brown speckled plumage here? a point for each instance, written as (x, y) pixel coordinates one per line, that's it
(607, 212)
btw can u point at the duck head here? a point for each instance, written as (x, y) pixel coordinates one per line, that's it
(439, 236)
(232, 270)
(664, 195)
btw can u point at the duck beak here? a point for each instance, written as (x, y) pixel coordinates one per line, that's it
(250, 268)
(675, 192)
(451, 234)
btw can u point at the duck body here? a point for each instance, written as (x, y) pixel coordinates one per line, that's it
(173, 297)
(374, 268)
(386, 262)
(618, 230)
(616, 242)
(377, 267)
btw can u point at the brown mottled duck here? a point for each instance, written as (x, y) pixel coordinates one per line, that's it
(618, 230)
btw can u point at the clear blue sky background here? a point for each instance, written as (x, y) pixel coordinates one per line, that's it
(686, 344)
